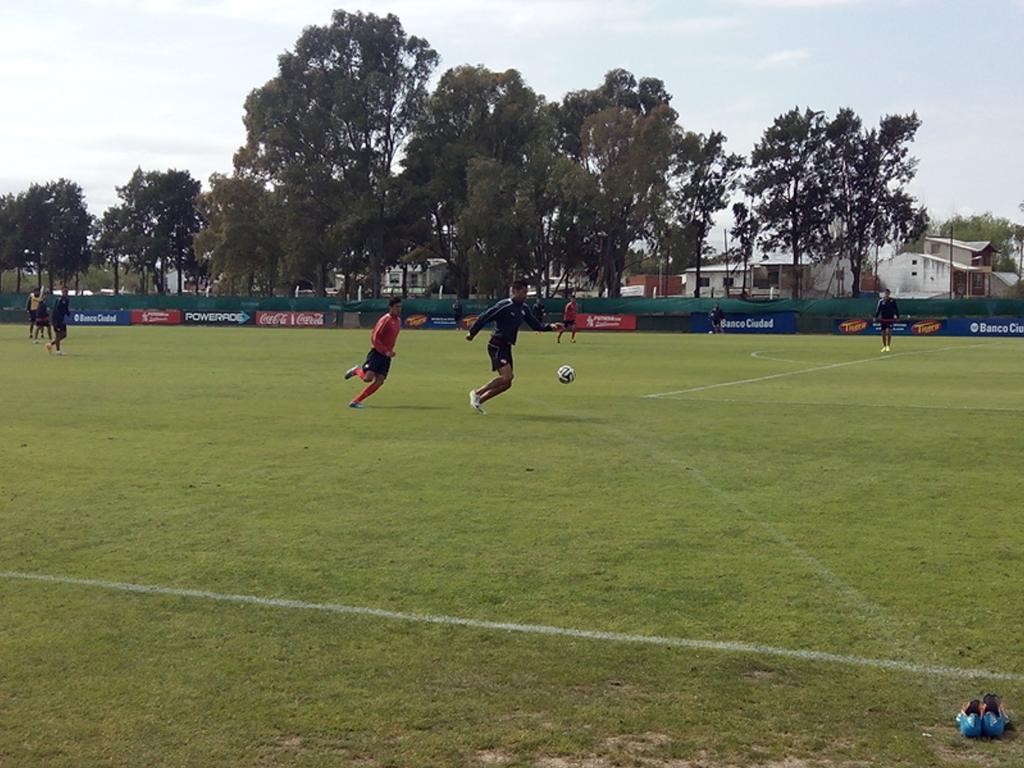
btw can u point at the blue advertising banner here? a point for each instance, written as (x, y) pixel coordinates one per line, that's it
(776, 322)
(429, 322)
(99, 317)
(952, 326)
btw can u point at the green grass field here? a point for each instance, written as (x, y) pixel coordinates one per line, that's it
(868, 511)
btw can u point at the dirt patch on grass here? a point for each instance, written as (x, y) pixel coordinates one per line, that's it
(493, 757)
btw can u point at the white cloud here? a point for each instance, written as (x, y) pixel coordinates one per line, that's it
(798, 3)
(781, 59)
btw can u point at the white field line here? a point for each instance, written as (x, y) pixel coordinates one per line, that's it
(784, 374)
(762, 356)
(845, 404)
(530, 629)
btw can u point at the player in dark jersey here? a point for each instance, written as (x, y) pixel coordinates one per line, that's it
(887, 313)
(507, 315)
(382, 348)
(717, 317)
(568, 320)
(42, 319)
(61, 310)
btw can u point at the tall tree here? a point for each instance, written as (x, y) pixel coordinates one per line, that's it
(628, 156)
(709, 176)
(745, 229)
(787, 177)
(474, 115)
(326, 131)
(113, 243)
(68, 248)
(867, 172)
(241, 236)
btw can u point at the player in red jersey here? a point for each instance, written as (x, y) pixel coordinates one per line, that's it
(568, 320)
(378, 362)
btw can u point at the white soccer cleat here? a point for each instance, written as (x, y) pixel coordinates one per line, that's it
(351, 372)
(474, 400)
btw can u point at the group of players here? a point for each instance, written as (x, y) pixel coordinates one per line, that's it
(39, 318)
(507, 315)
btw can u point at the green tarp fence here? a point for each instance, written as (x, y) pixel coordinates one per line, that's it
(633, 306)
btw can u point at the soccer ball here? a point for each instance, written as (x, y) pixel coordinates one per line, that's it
(566, 374)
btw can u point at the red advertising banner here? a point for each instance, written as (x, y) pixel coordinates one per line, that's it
(156, 317)
(589, 322)
(291, 319)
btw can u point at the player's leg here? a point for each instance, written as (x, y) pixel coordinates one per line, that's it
(375, 370)
(501, 383)
(558, 339)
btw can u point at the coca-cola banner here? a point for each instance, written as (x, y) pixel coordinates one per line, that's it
(291, 319)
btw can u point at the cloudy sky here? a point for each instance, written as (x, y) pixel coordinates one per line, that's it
(93, 88)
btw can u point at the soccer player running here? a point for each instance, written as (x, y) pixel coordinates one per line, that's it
(60, 322)
(382, 348)
(508, 315)
(887, 313)
(568, 320)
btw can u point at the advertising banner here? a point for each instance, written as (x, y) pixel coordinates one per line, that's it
(205, 317)
(775, 322)
(99, 317)
(291, 319)
(586, 321)
(430, 322)
(156, 317)
(905, 327)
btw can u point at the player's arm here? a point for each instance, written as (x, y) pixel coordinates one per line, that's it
(537, 325)
(896, 309)
(878, 309)
(489, 314)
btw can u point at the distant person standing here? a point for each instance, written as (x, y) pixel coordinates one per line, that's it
(32, 306)
(568, 320)
(42, 319)
(717, 319)
(457, 313)
(887, 313)
(60, 322)
(382, 349)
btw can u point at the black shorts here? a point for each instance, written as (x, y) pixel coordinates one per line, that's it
(568, 323)
(887, 322)
(378, 363)
(500, 354)
(60, 328)
(31, 315)
(42, 322)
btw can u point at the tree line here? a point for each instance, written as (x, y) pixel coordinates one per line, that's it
(353, 164)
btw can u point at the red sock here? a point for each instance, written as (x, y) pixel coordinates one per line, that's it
(360, 372)
(370, 389)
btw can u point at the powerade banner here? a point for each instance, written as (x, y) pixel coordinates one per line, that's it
(430, 322)
(776, 322)
(200, 317)
(291, 319)
(156, 317)
(99, 317)
(587, 321)
(862, 327)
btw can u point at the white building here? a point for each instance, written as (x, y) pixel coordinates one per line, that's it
(419, 278)
(950, 267)
(771, 276)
